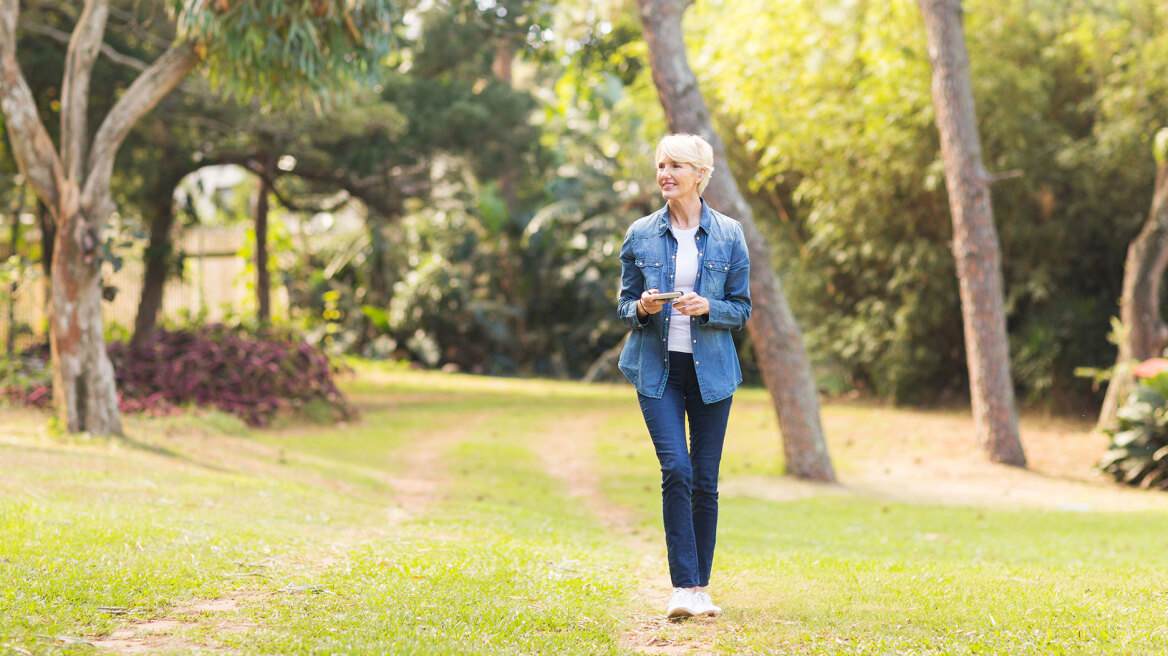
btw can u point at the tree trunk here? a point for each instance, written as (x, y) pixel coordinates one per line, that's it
(14, 251)
(48, 226)
(84, 389)
(777, 339)
(263, 280)
(75, 185)
(158, 257)
(1144, 331)
(975, 240)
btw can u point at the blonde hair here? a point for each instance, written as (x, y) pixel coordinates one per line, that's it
(688, 149)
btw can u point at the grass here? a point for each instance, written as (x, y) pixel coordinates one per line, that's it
(329, 542)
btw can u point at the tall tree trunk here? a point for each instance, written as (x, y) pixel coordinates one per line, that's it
(159, 255)
(84, 389)
(74, 184)
(975, 240)
(777, 339)
(263, 279)
(1144, 332)
(48, 226)
(14, 251)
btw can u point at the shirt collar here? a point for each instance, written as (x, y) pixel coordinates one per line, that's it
(663, 218)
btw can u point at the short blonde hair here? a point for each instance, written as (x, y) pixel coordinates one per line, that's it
(688, 149)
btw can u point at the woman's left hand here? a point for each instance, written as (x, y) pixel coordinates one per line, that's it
(692, 305)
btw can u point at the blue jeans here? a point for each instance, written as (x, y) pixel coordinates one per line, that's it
(689, 476)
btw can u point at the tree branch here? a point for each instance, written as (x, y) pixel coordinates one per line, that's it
(84, 46)
(31, 145)
(109, 53)
(150, 87)
(378, 200)
(130, 19)
(301, 207)
(1004, 175)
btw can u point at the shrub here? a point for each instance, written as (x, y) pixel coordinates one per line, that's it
(26, 379)
(1138, 454)
(250, 376)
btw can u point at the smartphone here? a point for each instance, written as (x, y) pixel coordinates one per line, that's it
(667, 296)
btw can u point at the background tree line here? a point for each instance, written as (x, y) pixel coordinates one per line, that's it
(501, 148)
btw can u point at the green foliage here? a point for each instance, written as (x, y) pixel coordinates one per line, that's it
(1138, 453)
(487, 247)
(270, 50)
(833, 120)
(21, 372)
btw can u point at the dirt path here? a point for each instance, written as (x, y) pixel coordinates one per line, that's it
(568, 452)
(413, 492)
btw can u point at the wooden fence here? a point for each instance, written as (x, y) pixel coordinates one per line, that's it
(214, 284)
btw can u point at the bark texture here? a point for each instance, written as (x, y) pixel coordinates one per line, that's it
(778, 342)
(159, 254)
(1145, 333)
(74, 184)
(84, 388)
(263, 278)
(975, 240)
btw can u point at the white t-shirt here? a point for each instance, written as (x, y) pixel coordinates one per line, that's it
(685, 277)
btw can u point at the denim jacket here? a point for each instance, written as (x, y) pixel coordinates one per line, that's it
(647, 261)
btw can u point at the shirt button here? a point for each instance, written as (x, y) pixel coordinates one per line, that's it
(695, 341)
(726, 268)
(696, 363)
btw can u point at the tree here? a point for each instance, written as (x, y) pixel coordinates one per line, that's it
(777, 339)
(1144, 333)
(975, 240)
(275, 49)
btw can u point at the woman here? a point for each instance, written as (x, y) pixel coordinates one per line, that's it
(681, 355)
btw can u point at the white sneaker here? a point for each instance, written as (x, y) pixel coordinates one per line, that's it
(705, 605)
(683, 604)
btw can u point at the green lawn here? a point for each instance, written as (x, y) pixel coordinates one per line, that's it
(464, 515)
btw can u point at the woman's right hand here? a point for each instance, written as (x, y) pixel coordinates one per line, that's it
(649, 302)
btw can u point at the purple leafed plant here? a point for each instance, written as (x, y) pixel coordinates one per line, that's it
(253, 376)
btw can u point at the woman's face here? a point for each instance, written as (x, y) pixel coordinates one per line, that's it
(677, 180)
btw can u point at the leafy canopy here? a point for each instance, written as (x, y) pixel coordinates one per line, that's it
(274, 49)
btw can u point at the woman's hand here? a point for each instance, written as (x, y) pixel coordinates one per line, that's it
(692, 305)
(649, 303)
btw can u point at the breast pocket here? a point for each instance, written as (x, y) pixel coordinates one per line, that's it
(651, 271)
(714, 274)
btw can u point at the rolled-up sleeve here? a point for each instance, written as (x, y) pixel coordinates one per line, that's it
(733, 310)
(632, 286)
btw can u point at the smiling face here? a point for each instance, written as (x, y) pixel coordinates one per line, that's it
(677, 180)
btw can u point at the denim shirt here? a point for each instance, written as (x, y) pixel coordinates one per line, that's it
(647, 261)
